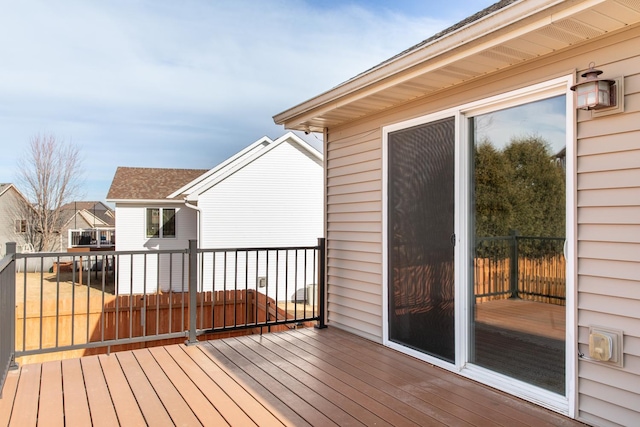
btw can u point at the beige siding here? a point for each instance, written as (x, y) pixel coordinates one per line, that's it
(354, 233)
(608, 215)
(608, 197)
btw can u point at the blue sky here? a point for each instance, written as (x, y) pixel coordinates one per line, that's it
(184, 84)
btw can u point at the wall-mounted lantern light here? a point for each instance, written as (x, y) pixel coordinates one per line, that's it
(594, 93)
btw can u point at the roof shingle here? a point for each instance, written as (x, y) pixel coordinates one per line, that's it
(149, 183)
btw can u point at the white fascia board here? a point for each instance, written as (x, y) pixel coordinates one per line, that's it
(387, 74)
(202, 179)
(246, 160)
(146, 201)
(301, 142)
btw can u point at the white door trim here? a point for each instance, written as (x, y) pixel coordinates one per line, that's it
(559, 86)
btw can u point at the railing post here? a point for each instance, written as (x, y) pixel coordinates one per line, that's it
(322, 256)
(513, 273)
(193, 290)
(11, 251)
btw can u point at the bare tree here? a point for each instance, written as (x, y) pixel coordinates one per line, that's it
(50, 176)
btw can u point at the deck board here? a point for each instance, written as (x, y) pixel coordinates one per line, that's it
(25, 412)
(272, 384)
(51, 402)
(193, 397)
(122, 398)
(238, 385)
(220, 389)
(348, 398)
(8, 396)
(294, 378)
(151, 407)
(530, 317)
(101, 407)
(76, 405)
(330, 404)
(171, 399)
(371, 398)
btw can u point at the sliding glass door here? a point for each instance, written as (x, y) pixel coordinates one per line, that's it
(517, 217)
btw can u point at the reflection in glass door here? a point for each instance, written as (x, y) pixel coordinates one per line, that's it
(421, 239)
(518, 218)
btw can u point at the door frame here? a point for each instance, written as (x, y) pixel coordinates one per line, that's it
(554, 87)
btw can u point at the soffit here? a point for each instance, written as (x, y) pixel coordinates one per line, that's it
(432, 68)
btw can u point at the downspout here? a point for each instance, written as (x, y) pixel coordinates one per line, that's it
(199, 212)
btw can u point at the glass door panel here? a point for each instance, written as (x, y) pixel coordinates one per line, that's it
(518, 219)
(421, 240)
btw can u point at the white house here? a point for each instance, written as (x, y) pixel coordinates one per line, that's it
(267, 195)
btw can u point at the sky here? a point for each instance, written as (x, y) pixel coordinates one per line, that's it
(185, 84)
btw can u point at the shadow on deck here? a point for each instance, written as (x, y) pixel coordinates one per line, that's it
(299, 377)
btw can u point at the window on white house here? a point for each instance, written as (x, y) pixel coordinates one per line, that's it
(20, 225)
(161, 223)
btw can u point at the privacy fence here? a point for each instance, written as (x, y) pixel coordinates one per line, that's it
(92, 302)
(524, 267)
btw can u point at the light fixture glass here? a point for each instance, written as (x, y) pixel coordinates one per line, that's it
(594, 93)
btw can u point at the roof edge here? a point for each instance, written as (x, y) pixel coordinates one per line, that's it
(421, 53)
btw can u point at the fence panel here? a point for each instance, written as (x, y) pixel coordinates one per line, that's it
(531, 268)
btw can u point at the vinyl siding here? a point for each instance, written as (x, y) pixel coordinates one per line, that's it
(130, 232)
(275, 201)
(607, 203)
(608, 197)
(10, 207)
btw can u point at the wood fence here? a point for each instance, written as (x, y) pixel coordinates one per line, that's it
(67, 322)
(538, 279)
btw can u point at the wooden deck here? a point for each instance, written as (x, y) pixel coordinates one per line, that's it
(295, 378)
(537, 318)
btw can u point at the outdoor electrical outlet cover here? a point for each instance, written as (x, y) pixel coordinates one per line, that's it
(605, 345)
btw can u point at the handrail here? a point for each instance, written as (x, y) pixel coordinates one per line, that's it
(129, 297)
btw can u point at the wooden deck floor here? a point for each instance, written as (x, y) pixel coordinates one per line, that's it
(295, 378)
(537, 318)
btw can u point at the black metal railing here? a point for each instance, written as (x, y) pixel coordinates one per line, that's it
(7, 313)
(515, 266)
(87, 300)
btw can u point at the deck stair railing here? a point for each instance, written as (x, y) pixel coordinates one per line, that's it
(97, 302)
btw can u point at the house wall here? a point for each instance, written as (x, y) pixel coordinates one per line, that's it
(275, 201)
(10, 208)
(130, 232)
(608, 216)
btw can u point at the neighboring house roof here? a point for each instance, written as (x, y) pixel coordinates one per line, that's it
(149, 183)
(178, 184)
(220, 168)
(104, 214)
(508, 34)
(4, 187)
